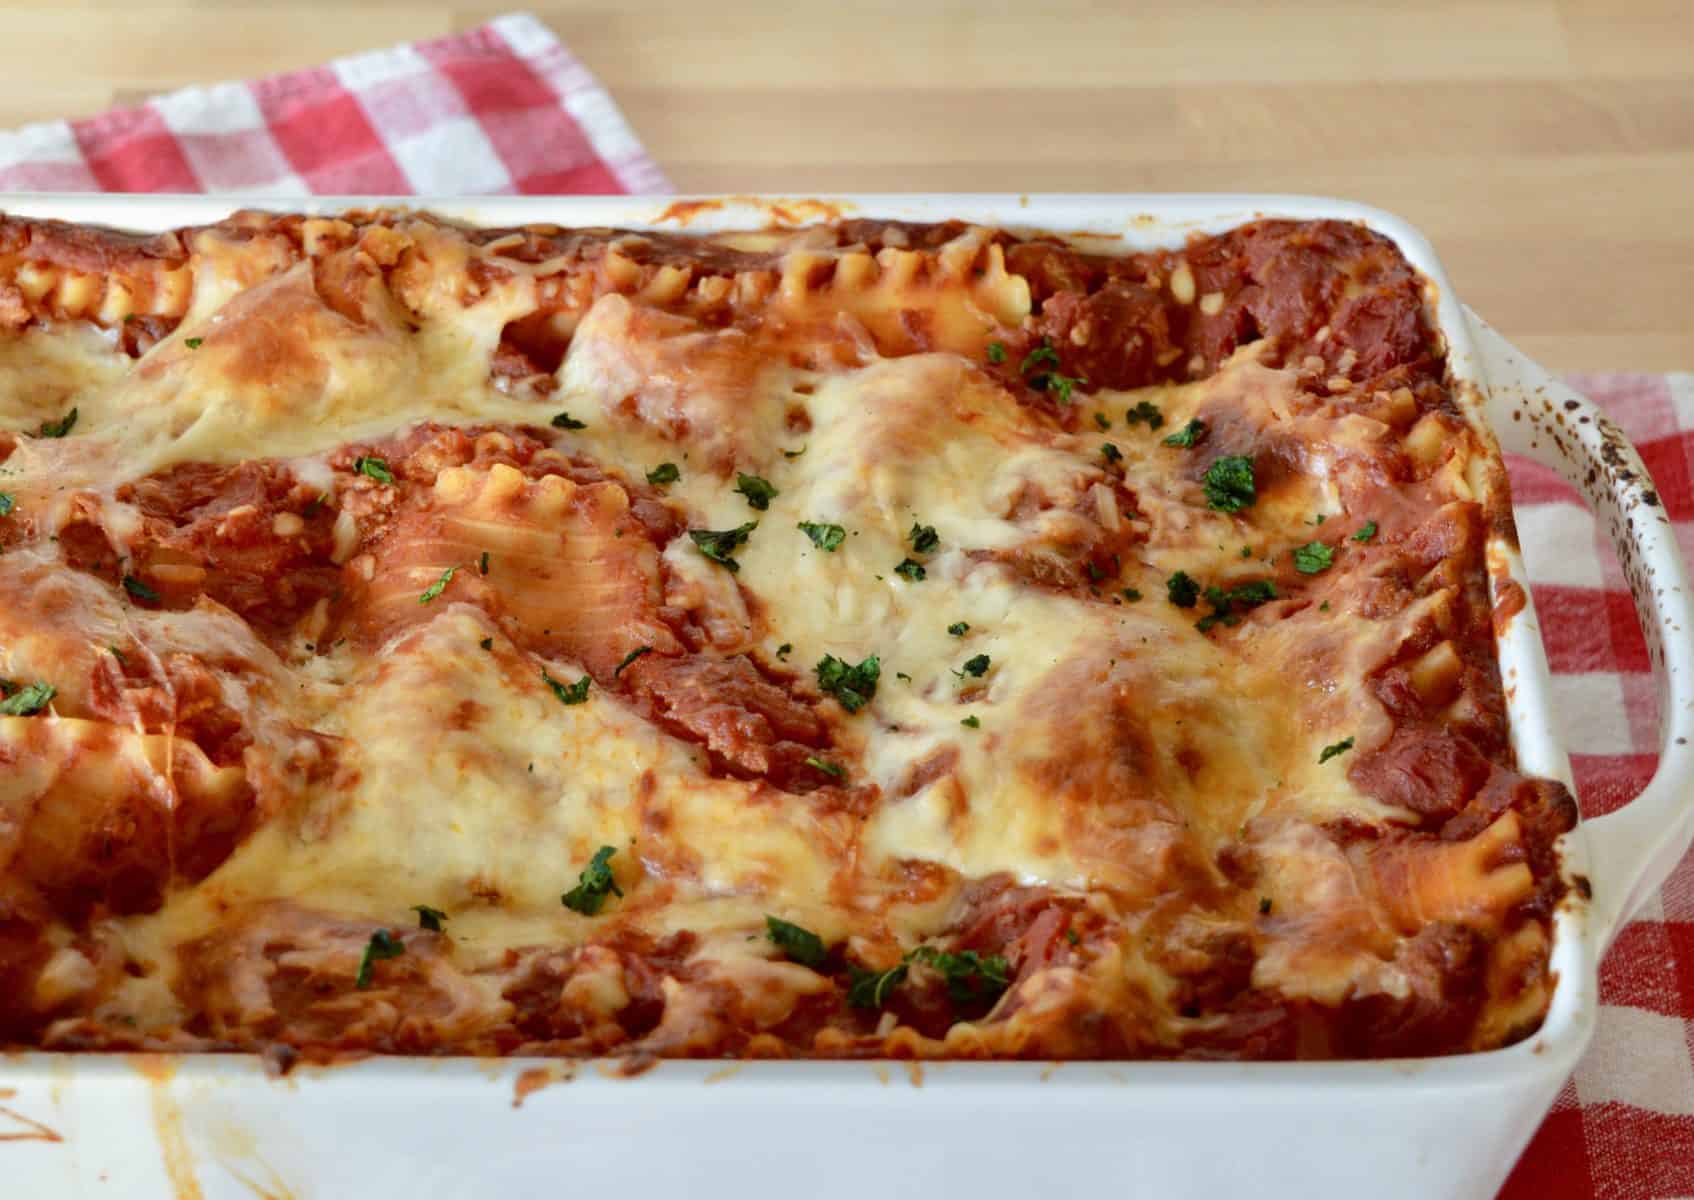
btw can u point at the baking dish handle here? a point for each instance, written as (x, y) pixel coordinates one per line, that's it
(1631, 851)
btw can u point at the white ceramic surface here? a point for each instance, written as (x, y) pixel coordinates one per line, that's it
(216, 1126)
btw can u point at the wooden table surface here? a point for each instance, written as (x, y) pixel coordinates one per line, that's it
(1546, 146)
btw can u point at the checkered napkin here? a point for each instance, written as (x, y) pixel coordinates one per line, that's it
(505, 109)
(1623, 1128)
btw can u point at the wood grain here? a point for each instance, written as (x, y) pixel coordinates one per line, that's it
(1546, 146)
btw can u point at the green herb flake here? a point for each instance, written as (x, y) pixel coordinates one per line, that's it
(440, 585)
(971, 722)
(140, 590)
(194, 343)
(629, 658)
(1264, 906)
(869, 989)
(27, 700)
(824, 536)
(429, 918)
(1313, 558)
(834, 770)
(1103, 421)
(487, 643)
(910, 569)
(482, 563)
(1366, 532)
(1227, 606)
(565, 421)
(924, 538)
(719, 545)
(382, 945)
(666, 472)
(1042, 356)
(1073, 937)
(759, 492)
(799, 944)
(59, 428)
(1130, 594)
(1188, 435)
(124, 662)
(1229, 483)
(1110, 453)
(7, 504)
(1146, 413)
(592, 884)
(902, 676)
(568, 693)
(959, 628)
(853, 687)
(1334, 749)
(794, 453)
(970, 977)
(374, 468)
(977, 667)
(783, 651)
(1181, 590)
(996, 352)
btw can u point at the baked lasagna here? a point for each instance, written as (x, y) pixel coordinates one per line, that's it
(855, 640)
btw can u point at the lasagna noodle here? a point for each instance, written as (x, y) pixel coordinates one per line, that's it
(863, 639)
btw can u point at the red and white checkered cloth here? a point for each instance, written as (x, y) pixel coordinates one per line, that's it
(505, 109)
(1623, 1128)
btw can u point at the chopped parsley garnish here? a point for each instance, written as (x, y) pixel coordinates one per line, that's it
(783, 651)
(1229, 483)
(59, 428)
(719, 545)
(382, 945)
(799, 944)
(1227, 605)
(996, 352)
(7, 504)
(140, 590)
(1110, 453)
(1185, 437)
(1103, 421)
(834, 770)
(429, 918)
(482, 563)
(1147, 412)
(924, 538)
(565, 421)
(1181, 590)
(1131, 595)
(1366, 532)
(593, 884)
(1264, 906)
(759, 492)
(852, 687)
(824, 536)
(794, 453)
(1073, 937)
(568, 693)
(1330, 751)
(1042, 356)
(629, 658)
(440, 585)
(970, 976)
(373, 467)
(971, 722)
(666, 472)
(1320, 518)
(869, 989)
(959, 628)
(487, 643)
(194, 343)
(27, 700)
(1312, 558)
(910, 569)
(124, 662)
(976, 667)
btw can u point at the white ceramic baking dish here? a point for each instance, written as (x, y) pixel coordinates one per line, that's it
(217, 1126)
